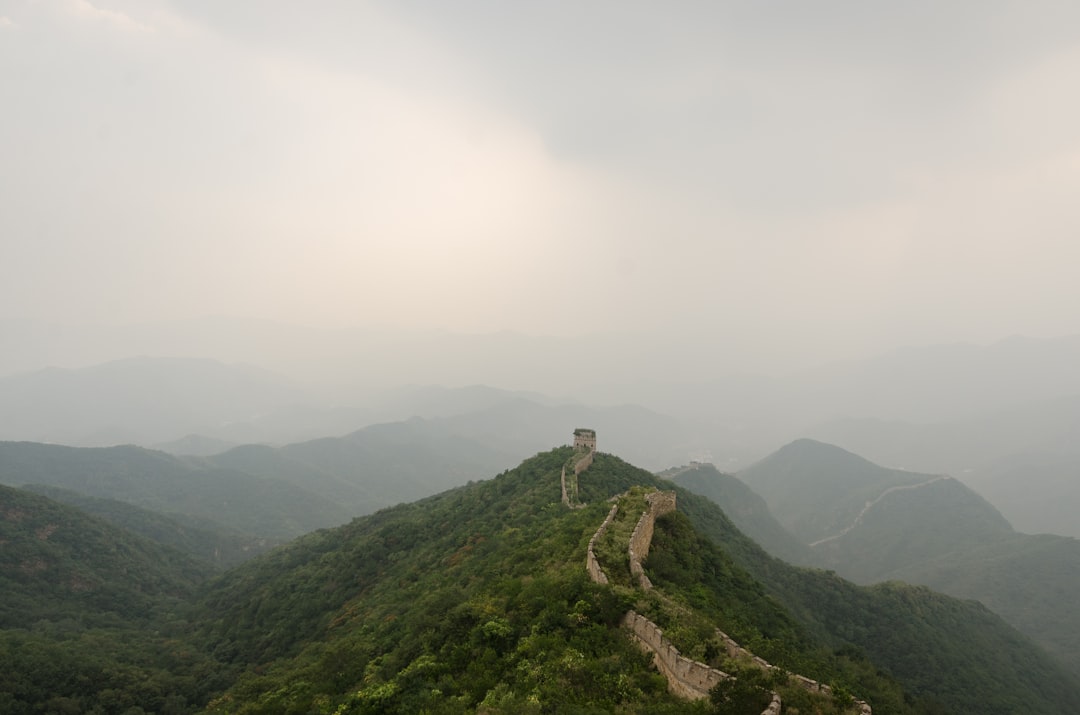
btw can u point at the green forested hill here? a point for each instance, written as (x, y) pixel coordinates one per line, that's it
(477, 600)
(745, 508)
(200, 539)
(910, 526)
(375, 467)
(816, 490)
(1031, 581)
(56, 563)
(479, 595)
(944, 535)
(88, 616)
(252, 504)
(957, 653)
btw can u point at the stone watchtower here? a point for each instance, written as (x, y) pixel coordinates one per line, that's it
(585, 439)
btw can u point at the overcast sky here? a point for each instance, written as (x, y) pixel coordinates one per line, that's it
(780, 176)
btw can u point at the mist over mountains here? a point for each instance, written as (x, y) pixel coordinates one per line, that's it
(301, 305)
(225, 461)
(995, 416)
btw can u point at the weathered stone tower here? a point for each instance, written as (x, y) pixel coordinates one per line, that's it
(585, 438)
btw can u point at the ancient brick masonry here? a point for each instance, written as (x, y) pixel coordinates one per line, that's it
(658, 504)
(588, 442)
(593, 566)
(687, 678)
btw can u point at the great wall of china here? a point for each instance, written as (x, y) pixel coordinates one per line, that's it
(686, 677)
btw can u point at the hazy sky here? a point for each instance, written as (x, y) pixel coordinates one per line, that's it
(776, 175)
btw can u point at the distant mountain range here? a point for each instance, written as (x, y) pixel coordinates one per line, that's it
(872, 524)
(1025, 459)
(997, 415)
(196, 407)
(255, 505)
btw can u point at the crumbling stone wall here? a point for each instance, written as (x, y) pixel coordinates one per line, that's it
(686, 677)
(579, 466)
(658, 504)
(595, 572)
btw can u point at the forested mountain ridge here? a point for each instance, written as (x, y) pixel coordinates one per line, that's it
(941, 534)
(816, 490)
(744, 507)
(478, 600)
(57, 562)
(479, 596)
(375, 467)
(253, 504)
(90, 616)
(201, 539)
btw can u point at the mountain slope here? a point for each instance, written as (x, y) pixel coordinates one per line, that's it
(955, 653)
(908, 526)
(944, 535)
(476, 596)
(816, 490)
(255, 505)
(375, 467)
(1024, 459)
(479, 596)
(746, 509)
(200, 539)
(56, 562)
(88, 616)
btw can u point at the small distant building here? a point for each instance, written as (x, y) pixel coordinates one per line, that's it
(585, 439)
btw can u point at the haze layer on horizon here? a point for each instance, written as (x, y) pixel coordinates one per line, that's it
(786, 180)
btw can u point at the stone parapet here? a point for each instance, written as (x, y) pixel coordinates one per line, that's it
(580, 465)
(774, 706)
(687, 678)
(591, 564)
(584, 463)
(657, 504)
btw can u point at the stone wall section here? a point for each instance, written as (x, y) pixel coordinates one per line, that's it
(658, 504)
(595, 572)
(579, 466)
(686, 677)
(774, 706)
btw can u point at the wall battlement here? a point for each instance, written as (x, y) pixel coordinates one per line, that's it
(583, 439)
(595, 572)
(658, 504)
(687, 678)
